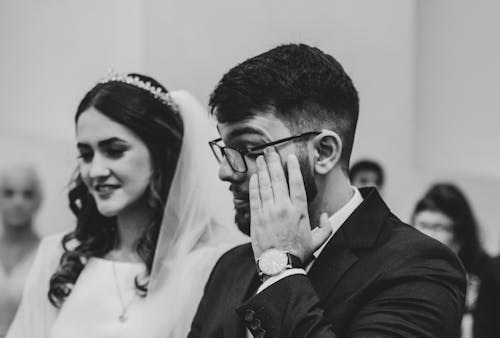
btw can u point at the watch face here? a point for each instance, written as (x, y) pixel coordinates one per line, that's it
(273, 261)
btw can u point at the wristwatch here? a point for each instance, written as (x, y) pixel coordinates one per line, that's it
(274, 261)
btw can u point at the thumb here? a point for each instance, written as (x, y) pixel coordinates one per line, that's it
(322, 232)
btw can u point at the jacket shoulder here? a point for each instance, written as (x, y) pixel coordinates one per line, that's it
(405, 246)
(236, 255)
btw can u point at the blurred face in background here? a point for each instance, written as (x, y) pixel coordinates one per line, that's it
(20, 196)
(365, 178)
(114, 163)
(438, 226)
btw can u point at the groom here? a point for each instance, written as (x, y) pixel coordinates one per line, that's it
(287, 120)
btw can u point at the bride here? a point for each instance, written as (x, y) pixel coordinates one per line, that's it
(151, 220)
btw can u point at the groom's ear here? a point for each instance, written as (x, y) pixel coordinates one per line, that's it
(327, 151)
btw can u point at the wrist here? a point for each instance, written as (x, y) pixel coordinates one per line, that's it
(274, 261)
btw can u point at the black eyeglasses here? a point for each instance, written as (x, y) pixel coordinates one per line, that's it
(236, 157)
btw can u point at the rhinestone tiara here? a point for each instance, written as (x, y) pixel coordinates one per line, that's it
(157, 92)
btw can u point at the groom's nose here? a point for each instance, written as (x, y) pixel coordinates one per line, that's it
(227, 174)
(225, 171)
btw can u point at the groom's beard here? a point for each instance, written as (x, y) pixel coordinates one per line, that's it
(242, 220)
(242, 217)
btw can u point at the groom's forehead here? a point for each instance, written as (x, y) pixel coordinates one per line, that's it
(230, 132)
(266, 125)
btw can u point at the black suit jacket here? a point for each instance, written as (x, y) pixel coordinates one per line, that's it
(486, 319)
(377, 277)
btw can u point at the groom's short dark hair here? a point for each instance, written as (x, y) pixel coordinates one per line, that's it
(306, 88)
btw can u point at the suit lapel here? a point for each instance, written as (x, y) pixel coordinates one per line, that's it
(245, 283)
(331, 265)
(359, 231)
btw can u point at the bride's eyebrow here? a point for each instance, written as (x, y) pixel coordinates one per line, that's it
(111, 141)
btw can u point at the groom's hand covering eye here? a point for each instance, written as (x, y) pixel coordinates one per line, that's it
(279, 211)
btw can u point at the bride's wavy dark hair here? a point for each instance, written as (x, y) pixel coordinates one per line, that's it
(161, 128)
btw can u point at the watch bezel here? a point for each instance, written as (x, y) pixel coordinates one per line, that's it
(266, 259)
(272, 262)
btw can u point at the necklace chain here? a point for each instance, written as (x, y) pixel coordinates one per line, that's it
(125, 305)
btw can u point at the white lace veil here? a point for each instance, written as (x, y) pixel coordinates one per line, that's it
(198, 224)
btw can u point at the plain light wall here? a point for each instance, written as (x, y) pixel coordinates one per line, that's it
(458, 81)
(192, 49)
(52, 53)
(457, 125)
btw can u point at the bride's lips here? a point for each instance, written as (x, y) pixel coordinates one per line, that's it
(104, 190)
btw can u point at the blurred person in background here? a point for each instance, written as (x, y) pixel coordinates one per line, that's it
(148, 232)
(367, 173)
(444, 214)
(20, 199)
(486, 312)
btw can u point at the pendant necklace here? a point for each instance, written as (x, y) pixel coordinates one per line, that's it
(125, 305)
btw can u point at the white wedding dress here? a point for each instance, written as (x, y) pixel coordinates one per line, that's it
(94, 307)
(197, 229)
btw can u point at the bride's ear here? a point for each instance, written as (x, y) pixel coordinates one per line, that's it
(327, 151)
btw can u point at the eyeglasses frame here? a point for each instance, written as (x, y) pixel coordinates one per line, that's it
(244, 152)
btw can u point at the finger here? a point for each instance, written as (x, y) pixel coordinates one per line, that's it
(321, 234)
(278, 180)
(254, 197)
(297, 189)
(255, 214)
(265, 189)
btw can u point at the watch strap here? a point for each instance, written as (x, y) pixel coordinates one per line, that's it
(294, 262)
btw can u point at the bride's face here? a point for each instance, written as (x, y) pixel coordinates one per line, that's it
(114, 163)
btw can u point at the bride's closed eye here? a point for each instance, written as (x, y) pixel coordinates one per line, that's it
(115, 151)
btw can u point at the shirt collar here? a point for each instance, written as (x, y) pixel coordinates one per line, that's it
(338, 218)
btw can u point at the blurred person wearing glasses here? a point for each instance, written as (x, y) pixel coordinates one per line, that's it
(20, 199)
(444, 214)
(486, 323)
